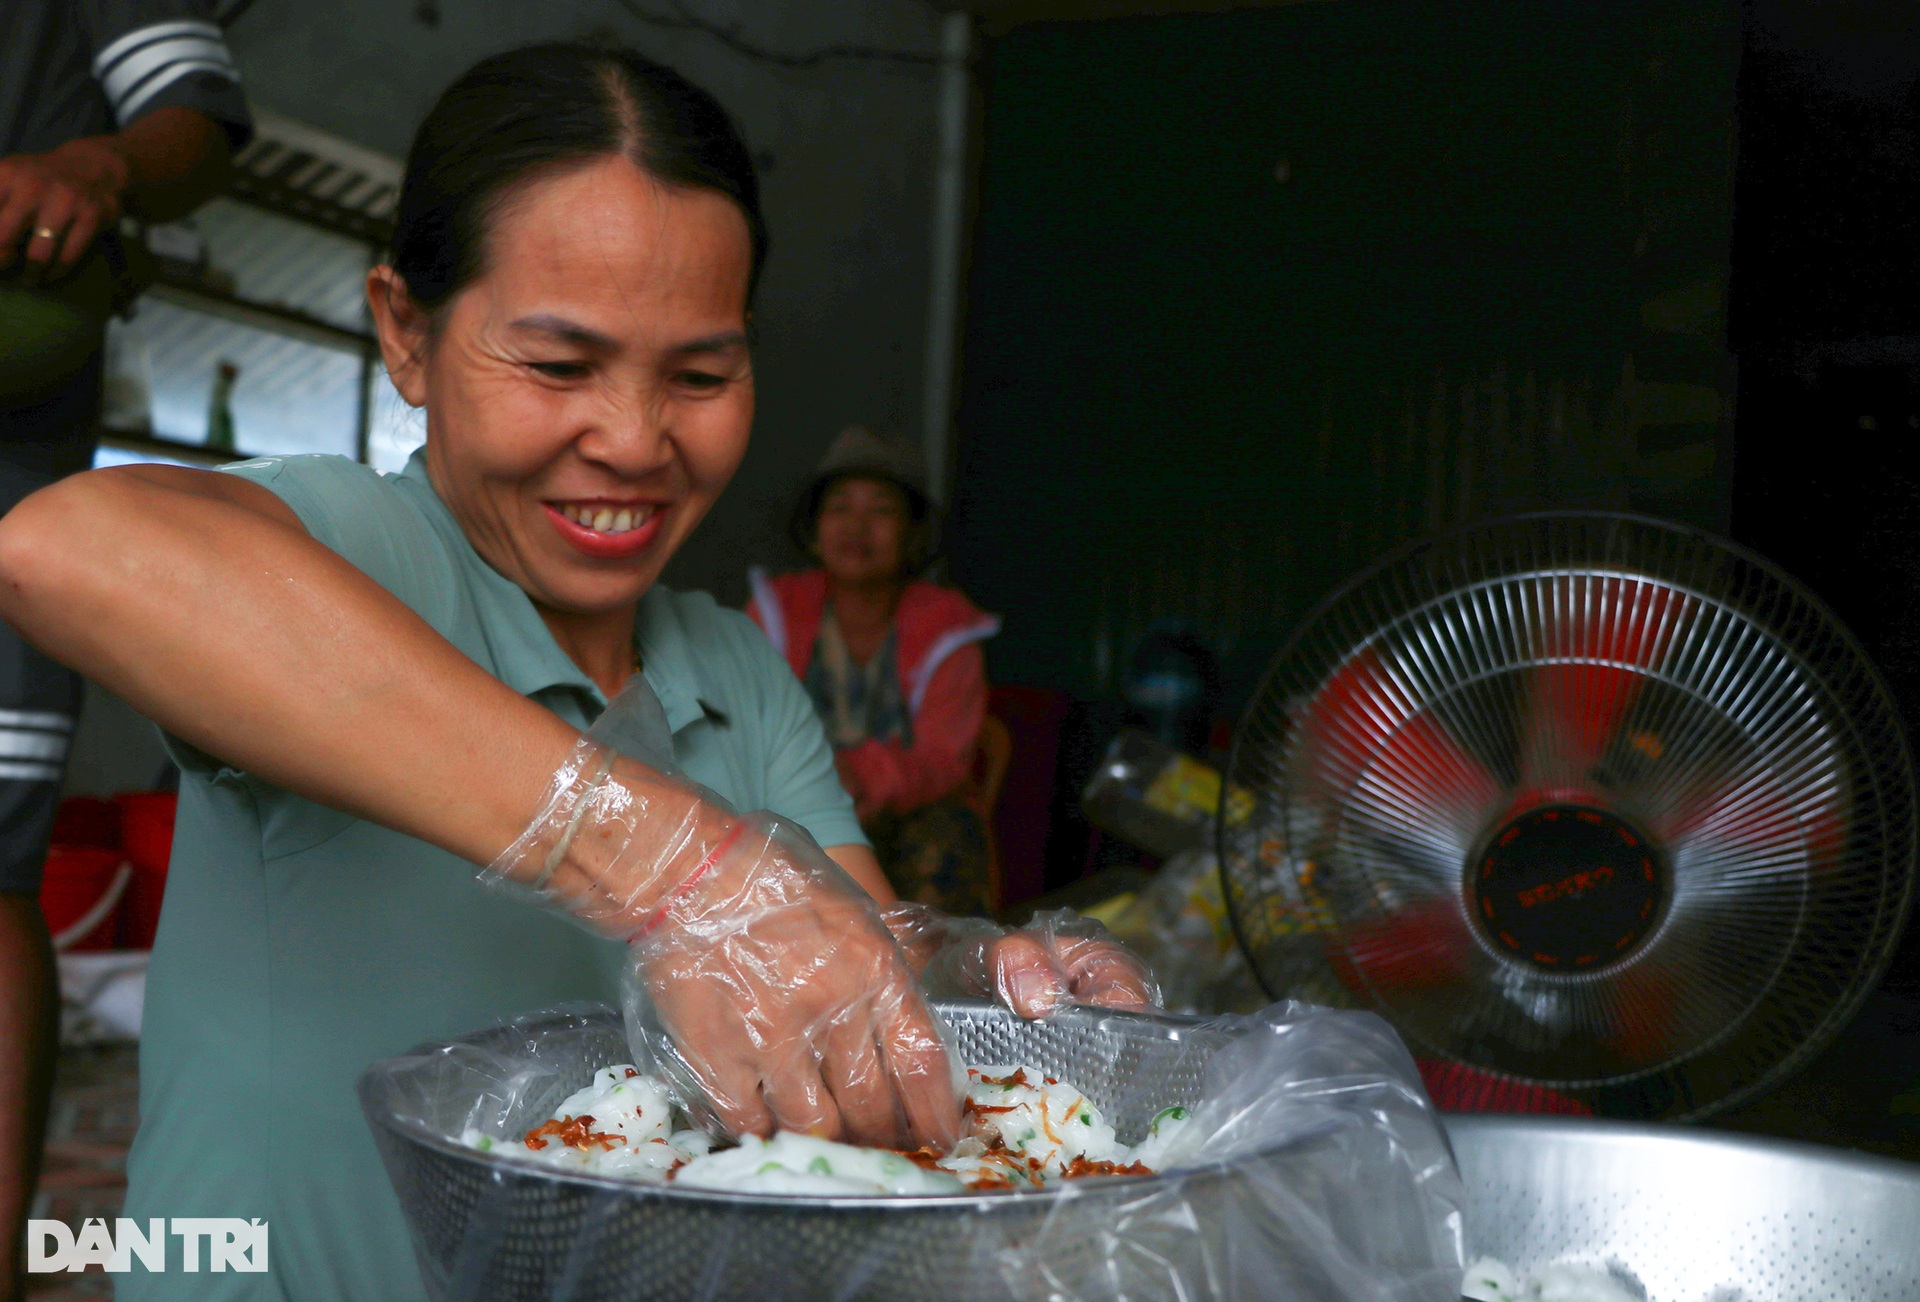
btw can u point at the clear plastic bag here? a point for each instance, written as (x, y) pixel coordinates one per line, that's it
(1314, 1168)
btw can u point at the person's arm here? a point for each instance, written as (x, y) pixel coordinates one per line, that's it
(200, 599)
(159, 167)
(860, 863)
(946, 728)
(29, 1020)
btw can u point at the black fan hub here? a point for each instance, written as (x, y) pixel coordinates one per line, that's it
(1567, 888)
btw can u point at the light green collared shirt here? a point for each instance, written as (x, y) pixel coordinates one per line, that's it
(299, 944)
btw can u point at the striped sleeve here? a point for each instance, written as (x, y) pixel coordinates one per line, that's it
(153, 53)
(33, 745)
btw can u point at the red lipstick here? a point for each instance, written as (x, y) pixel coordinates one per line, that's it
(607, 546)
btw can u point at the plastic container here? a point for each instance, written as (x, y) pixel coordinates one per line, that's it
(87, 820)
(146, 833)
(81, 894)
(1150, 795)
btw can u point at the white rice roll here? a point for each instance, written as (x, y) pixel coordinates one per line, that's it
(1162, 1143)
(1052, 1123)
(691, 1143)
(622, 1102)
(973, 1164)
(1566, 1281)
(1491, 1280)
(802, 1164)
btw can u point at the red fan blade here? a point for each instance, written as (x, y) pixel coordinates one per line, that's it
(1602, 634)
(1414, 948)
(1456, 1087)
(1363, 730)
(1362, 724)
(1751, 816)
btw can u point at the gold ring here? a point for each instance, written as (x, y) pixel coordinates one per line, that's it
(47, 233)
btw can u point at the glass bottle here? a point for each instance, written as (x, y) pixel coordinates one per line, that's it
(220, 407)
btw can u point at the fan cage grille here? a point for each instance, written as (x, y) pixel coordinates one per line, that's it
(1642, 668)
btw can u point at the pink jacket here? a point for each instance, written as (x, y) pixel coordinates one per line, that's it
(943, 679)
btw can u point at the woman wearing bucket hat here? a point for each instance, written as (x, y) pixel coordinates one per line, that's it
(892, 663)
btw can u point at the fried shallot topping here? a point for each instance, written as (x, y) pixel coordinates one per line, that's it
(574, 1132)
(926, 1157)
(1019, 1078)
(1080, 1166)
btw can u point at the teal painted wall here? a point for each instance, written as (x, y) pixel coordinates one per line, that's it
(1257, 296)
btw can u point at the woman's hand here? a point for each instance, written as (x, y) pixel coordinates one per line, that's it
(1057, 958)
(766, 965)
(788, 999)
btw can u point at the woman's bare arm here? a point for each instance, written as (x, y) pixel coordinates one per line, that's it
(860, 863)
(199, 598)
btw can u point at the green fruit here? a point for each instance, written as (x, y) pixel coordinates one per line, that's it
(43, 340)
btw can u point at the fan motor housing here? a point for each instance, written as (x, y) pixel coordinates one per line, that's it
(1567, 888)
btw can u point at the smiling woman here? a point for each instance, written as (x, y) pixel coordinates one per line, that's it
(374, 683)
(611, 327)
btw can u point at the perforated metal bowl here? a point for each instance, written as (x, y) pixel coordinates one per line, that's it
(1691, 1215)
(492, 1227)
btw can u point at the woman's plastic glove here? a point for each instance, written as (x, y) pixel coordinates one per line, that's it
(768, 967)
(789, 1002)
(1057, 958)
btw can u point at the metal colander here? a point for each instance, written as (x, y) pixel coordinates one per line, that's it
(1689, 1215)
(1309, 1216)
(1594, 802)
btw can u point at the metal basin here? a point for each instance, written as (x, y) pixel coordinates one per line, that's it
(1692, 1215)
(1682, 1215)
(1352, 1199)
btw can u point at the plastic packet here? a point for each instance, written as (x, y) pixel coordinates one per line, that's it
(1314, 1167)
(1179, 927)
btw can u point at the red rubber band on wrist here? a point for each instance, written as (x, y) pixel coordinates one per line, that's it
(687, 883)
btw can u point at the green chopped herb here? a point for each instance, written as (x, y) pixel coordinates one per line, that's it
(769, 1166)
(1086, 1118)
(486, 1144)
(820, 1166)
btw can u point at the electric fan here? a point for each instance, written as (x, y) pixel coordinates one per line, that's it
(1590, 802)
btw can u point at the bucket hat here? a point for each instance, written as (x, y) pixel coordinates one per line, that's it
(859, 452)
